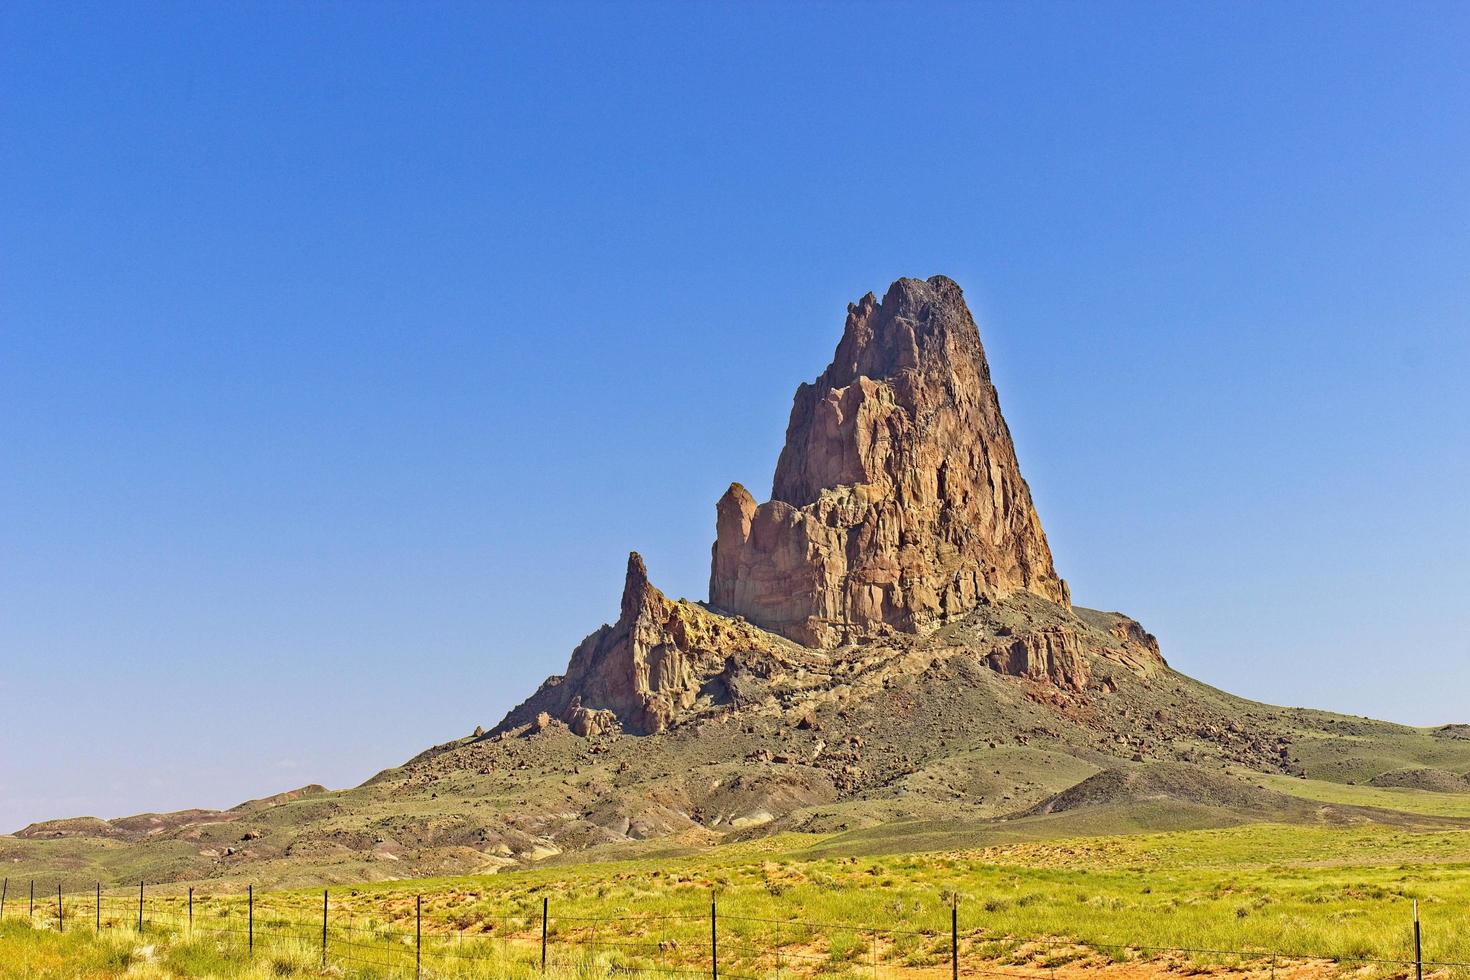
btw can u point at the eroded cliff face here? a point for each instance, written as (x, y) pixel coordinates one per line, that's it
(1053, 653)
(897, 501)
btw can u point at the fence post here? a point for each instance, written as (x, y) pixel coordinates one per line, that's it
(250, 927)
(4, 890)
(191, 911)
(418, 936)
(99, 908)
(60, 913)
(1418, 946)
(545, 904)
(140, 906)
(324, 928)
(714, 942)
(31, 911)
(954, 938)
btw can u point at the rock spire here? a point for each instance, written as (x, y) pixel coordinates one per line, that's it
(654, 663)
(898, 501)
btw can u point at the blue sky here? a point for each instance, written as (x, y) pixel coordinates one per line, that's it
(347, 349)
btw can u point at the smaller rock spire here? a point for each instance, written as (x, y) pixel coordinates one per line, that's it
(639, 674)
(635, 587)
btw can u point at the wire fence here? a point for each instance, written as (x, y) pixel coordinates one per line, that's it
(400, 941)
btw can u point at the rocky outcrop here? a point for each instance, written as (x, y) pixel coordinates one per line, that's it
(898, 501)
(1052, 654)
(588, 722)
(1132, 633)
(657, 661)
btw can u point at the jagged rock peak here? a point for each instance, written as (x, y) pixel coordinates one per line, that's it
(918, 320)
(636, 587)
(643, 672)
(897, 500)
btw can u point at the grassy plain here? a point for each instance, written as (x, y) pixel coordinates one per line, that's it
(1300, 893)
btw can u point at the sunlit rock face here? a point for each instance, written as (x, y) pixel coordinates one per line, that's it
(642, 672)
(898, 502)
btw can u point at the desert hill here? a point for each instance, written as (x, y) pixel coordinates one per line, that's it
(888, 659)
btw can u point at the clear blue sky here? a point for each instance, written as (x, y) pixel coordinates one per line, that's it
(347, 349)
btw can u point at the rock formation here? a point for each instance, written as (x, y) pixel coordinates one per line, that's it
(658, 659)
(1053, 653)
(897, 500)
(898, 507)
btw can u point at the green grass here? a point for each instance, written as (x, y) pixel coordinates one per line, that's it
(1326, 891)
(1307, 891)
(1402, 800)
